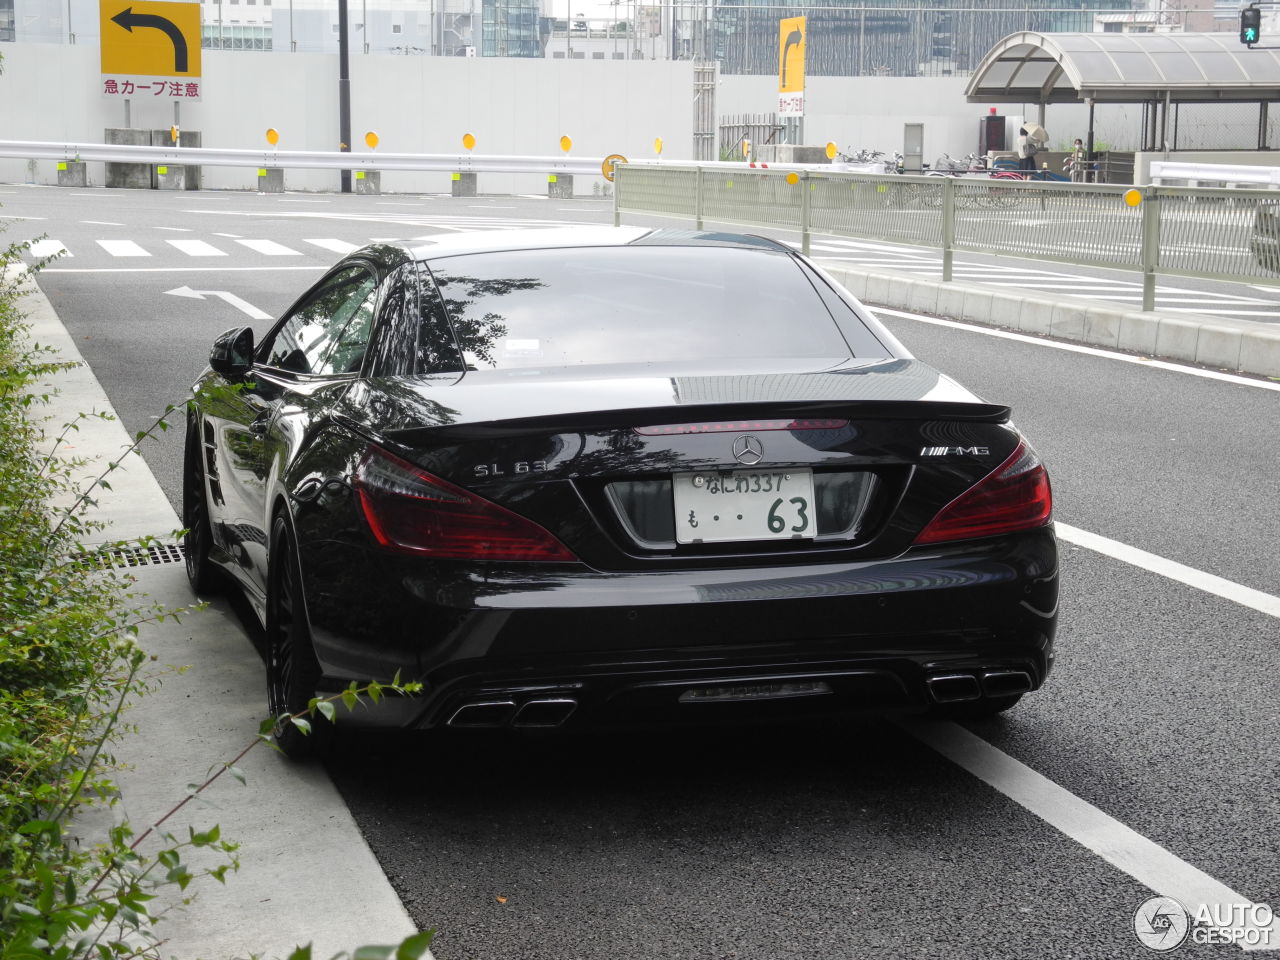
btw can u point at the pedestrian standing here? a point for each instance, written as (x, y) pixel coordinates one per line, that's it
(1026, 151)
(1079, 161)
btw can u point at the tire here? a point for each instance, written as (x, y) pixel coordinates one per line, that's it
(204, 575)
(293, 672)
(974, 709)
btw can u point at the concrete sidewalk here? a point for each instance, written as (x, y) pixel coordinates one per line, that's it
(306, 873)
(1239, 346)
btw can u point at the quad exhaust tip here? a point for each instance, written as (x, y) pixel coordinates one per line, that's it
(959, 687)
(545, 713)
(953, 687)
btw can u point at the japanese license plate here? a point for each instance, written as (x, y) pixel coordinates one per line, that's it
(722, 506)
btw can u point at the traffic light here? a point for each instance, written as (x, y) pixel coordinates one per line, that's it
(1250, 25)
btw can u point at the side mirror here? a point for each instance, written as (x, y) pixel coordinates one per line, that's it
(232, 353)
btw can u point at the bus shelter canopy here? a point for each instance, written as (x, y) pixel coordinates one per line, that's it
(1124, 68)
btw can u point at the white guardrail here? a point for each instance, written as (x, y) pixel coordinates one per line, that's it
(294, 159)
(1165, 170)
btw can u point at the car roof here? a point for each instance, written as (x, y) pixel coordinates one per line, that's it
(456, 244)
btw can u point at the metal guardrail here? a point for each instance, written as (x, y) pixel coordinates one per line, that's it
(294, 159)
(1216, 234)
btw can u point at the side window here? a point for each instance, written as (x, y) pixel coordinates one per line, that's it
(329, 332)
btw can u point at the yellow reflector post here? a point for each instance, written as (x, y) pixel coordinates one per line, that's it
(793, 178)
(468, 141)
(566, 144)
(1133, 197)
(273, 136)
(371, 139)
(832, 150)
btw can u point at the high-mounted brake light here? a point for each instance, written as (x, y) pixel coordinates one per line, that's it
(411, 511)
(1014, 496)
(738, 426)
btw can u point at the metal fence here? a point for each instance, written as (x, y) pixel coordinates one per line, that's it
(1213, 233)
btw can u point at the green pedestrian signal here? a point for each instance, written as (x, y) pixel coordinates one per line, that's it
(1250, 25)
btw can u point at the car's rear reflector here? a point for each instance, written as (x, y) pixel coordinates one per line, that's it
(738, 426)
(1014, 496)
(411, 511)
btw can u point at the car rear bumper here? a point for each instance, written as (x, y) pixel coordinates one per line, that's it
(627, 645)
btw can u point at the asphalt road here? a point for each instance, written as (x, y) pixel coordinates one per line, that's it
(821, 839)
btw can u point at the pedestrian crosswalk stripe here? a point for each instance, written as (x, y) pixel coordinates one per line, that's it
(49, 248)
(336, 246)
(269, 248)
(122, 248)
(196, 248)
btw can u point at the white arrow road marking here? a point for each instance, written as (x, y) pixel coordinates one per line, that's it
(243, 306)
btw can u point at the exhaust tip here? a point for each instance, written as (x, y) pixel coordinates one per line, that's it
(544, 713)
(489, 713)
(953, 687)
(1004, 683)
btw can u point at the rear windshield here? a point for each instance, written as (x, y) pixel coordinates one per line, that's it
(633, 304)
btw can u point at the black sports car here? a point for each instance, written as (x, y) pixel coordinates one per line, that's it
(567, 475)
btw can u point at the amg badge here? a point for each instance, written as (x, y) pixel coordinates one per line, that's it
(954, 451)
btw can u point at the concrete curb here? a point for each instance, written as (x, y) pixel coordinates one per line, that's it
(1240, 346)
(306, 873)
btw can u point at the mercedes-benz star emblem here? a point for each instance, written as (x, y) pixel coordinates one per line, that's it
(747, 449)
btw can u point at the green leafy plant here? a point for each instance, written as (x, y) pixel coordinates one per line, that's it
(69, 666)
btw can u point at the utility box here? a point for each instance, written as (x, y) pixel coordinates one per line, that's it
(73, 173)
(991, 134)
(913, 147)
(129, 175)
(464, 185)
(367, 182)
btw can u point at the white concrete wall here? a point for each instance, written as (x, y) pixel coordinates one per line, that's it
(869, 113)
(415, 104)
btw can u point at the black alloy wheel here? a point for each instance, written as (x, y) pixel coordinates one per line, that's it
(293, 671)
(198, 539)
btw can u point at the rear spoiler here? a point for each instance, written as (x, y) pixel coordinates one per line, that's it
(452, 433)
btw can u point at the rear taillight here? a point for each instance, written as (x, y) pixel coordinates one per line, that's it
(1013, 496)
(411, 511)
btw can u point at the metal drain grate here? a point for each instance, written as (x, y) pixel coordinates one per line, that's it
(149, 556)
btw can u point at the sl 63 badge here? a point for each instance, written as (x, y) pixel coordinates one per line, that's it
(503, 469)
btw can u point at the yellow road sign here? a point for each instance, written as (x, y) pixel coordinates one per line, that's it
(146, 38)
(607, 166)
(791, 33)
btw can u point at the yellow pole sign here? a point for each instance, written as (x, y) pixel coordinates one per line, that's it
(150, 49)
(791, 44)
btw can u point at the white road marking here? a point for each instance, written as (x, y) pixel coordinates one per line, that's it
(233, 236)
(1088, 351)
(242, 305)
(196, 248)
(103, 223)
(1208, 582)
(49, 248)
(268, 248)
(300, 200)
(337, 246)
(122, 248)
(14, 216)
(176, 229)
(1144, 860)
(384, 239)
